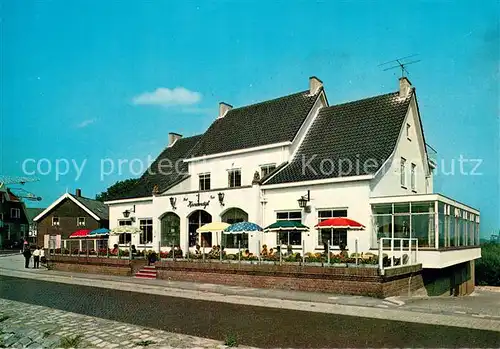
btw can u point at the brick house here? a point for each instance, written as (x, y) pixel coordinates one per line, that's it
(68, 214)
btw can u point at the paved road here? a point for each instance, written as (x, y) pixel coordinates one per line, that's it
(255, 326)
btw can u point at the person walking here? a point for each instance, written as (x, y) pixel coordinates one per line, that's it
(27, 257)
(36, 258)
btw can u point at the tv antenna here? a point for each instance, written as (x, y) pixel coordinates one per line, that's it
(401, 63)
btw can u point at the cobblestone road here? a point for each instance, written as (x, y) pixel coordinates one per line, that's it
(33, 326)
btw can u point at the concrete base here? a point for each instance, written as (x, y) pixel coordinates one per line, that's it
(456, 280)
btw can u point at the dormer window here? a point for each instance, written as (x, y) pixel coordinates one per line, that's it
(234, 178)
(205, 181)
(15, 213)
(266, 169)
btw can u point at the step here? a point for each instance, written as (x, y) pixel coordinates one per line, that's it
(150, 272)
(149, 267)
(145, 275)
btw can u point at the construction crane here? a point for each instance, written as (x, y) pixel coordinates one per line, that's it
(19, 192)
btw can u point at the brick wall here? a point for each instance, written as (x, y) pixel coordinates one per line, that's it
(94, 265)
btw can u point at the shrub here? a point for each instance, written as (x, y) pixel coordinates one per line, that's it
(488, 267)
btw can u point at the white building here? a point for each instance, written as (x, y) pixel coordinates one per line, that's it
(366, 160)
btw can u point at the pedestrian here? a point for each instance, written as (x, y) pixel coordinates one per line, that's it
(27, 257)
(42, 256)
(36, 258)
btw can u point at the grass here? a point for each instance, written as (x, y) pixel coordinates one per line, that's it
(231, 340)
(70, 342)
(145, 343)
(4, 317)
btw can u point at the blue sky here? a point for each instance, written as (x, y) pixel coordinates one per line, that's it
(74, 74)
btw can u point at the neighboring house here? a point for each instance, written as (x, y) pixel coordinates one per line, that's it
(32, 231)
(367, 160)
(13, 218)
(68, 214)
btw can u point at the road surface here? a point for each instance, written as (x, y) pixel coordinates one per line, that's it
(254, 326)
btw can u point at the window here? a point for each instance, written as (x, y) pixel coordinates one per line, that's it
(55, 221)
(146, 225)
(408, 131)
(231, 216)
(124, 238)
(266, 169)
(335, 236)
(15, 213)
(205, 181)
(7, 228)
(403, 172)
(80, 221)
(234, 178)
(289, 237)
(23, 229)
(413, 170)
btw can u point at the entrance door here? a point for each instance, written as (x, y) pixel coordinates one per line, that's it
(196, 220)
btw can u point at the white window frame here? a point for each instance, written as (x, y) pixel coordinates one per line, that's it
(318, 218)
(402, 169)
(408, 126)
(202, 177)
(141, 220)
(233, 185)
(81, 224)
(289, 219)
(15, 213)
(123, 222)
(268, 168)
(56, 223)
(413, 178)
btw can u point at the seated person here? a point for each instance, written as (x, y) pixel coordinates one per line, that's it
(264, 250)
(134, 250)
(115, 249)
(197, 250)
(271, 252)
(246, 253)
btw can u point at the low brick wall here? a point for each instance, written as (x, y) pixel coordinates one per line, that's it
(96, 265)
(354, 281)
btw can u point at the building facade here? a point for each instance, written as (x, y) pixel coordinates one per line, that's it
(13, 219)
(367, 160)
(66, 215)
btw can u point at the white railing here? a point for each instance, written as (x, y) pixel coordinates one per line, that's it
(396, 254)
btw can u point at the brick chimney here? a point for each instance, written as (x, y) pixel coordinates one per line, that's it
(404, 87)
(224, 108)
(78, 192)
(172, 137)
(314, 85)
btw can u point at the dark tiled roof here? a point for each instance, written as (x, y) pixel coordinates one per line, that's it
(348, 133)
(97, 207)
(171, 176)
(32, 212)
(269, 122)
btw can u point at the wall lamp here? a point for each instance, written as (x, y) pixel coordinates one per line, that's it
(304, 200)
(221, 198)
(126, 213)
(172, 202)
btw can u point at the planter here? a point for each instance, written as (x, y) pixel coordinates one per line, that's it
(313, 264)
(266, 262)
(372, 266)
(339, 265)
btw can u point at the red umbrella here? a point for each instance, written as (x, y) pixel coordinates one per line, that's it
(340, 223)
(80, 233)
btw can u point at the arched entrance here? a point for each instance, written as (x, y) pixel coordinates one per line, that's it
(197, 219)
(170, 230)
(231, 216)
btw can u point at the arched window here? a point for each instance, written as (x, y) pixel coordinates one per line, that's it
(170, 230)
(231, 216)
(196, 220)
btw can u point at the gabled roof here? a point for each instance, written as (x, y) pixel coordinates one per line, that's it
(32, 212)
(177, 172)
(352, 133)
(96, 209)
(273, 121)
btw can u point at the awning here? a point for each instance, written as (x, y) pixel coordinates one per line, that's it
(242, 227)
(80, 233)
(99, 232)
(340, 223)
(286, 225)
(212, 227)
(125, 229)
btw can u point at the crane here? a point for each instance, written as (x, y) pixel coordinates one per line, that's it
(19, 192)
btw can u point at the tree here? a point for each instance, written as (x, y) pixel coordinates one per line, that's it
(118, 189)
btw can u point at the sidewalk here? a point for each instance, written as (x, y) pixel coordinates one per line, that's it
(393, 308)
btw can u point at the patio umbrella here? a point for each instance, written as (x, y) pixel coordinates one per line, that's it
(212, 227)
(80, 233)
(99, 232)
(286, 225)
(125, 229)
(242, 227)
(340, 223)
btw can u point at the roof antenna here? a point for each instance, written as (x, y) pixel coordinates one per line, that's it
(401, 63)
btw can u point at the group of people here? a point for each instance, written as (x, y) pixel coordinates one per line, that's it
(265, 252)
(38, 255)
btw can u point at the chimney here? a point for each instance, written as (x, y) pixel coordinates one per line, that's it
(78, 193)
(172, 137)
(404, 87)
(314, 85)
(224, 108)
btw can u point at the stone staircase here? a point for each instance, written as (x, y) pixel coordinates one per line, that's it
(146, 272)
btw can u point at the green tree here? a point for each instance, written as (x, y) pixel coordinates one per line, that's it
(488, 266)
(117, 189)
